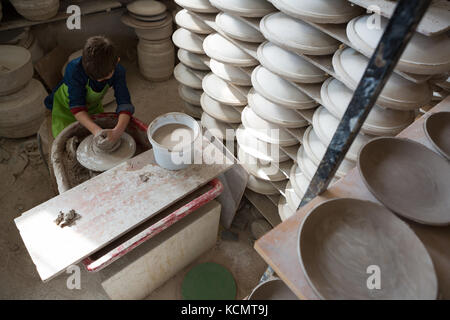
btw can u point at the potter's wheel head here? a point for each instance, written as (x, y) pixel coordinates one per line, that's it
(100, 161)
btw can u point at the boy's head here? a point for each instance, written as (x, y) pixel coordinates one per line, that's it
(99, 58)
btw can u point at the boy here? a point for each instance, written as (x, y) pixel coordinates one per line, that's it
(86, 81)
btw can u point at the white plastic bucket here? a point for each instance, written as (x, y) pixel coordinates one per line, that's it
(272, 289)
(173, 159)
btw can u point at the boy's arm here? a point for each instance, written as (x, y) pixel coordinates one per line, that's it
(84, 118)
(125, 108)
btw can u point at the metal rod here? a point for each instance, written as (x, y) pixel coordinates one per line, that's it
(399, 31)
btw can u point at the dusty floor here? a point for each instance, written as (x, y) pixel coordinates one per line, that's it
(22, 188)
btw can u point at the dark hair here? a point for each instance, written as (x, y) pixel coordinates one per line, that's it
(99, 57)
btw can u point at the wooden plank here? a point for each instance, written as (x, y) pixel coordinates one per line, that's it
(265, 205)
(87, 7)
(279, 247)
(436, 20)
(110, 205)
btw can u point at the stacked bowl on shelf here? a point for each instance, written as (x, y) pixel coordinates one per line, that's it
(234, 69)
(194, 64)
(394, 109)
(290, 41)
(36, 10)
(153, 26)
(21, 96)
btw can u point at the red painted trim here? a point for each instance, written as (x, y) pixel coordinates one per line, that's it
(77, 109)
(135, 121)
(150, 232)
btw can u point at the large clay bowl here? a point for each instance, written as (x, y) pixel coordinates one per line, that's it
(437, 128)
(407, 178)
(16, 68)
(341, 240)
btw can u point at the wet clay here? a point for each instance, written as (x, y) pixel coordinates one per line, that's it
(173, 135)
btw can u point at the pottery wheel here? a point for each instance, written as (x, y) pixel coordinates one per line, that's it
(408, 178)
(93, 159)
(341, 238)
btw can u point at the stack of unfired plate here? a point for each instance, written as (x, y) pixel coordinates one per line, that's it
(194, 64)
(153, 25)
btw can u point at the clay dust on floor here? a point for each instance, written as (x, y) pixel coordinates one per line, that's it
(25, 183)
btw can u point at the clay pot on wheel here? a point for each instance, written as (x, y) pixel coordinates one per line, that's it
(156, 59)
(36, 10)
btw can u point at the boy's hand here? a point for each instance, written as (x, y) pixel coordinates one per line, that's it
(114, 134)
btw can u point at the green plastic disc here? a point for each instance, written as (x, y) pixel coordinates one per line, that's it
(208, 281)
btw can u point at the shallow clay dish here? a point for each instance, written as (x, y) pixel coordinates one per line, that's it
(319, 11)
(283, 209)
(193, 60)
(340, 239)
(398, 93)
(235, 75)
(380, 121)
(306, 165)
(188, 40)
(315, 150)
(296, 35)
(192, 22)
(190, 95)
(325, 125)
(265, 130)
(298, 181)
(146, 7)
(274, 289)
(407, 178)
(272, 112)
(189, 77)
(264, 170)
(279, 90)
(219, 110)
(218, 128)
(260, 149)
(260, 186)
(288, 65)
(422, 55)
(202, 6)
(224, 92)
(193, 110)
(223, 50)
(236, 28)
(292, 198)
(244, 8)
(437, 128)
(158, 17)
(100, 161)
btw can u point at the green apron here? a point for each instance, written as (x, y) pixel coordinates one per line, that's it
(61, 115)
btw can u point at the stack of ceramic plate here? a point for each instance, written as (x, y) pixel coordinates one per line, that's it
(227, 86)
(153, 25)
(423, 54)
(398, 93)
(194, 25)
(24, 38)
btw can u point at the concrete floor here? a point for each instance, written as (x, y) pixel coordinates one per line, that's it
(32, 186)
